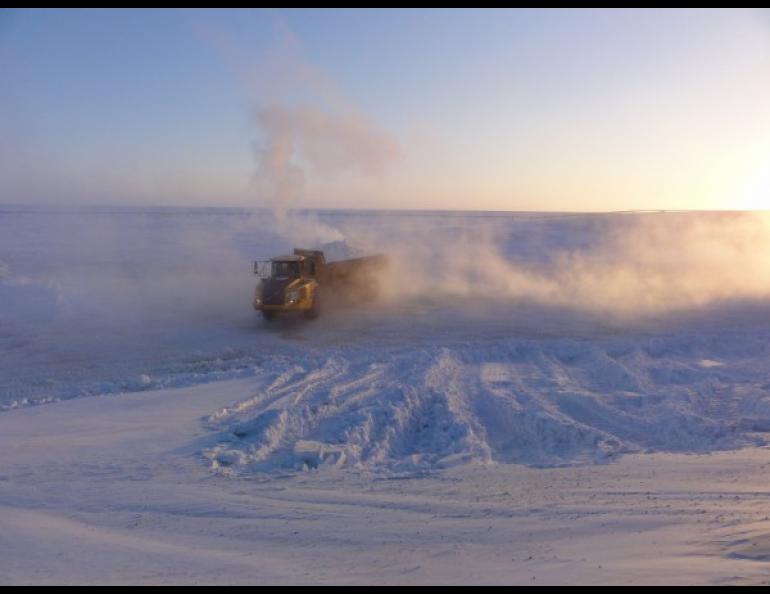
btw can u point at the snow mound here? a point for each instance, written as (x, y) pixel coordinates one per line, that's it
(534, 402)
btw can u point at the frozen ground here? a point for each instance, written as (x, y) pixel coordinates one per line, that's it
(526, 403)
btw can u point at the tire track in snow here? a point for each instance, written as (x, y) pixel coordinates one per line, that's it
(536, 402)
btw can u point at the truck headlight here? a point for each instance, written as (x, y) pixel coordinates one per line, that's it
(293, 295)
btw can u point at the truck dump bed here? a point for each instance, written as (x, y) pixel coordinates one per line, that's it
(356, 280)
(343, 272)
(354, 269)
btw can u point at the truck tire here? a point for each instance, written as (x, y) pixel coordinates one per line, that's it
(315, 308)
(269, 316)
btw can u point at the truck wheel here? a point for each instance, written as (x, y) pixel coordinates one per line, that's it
(315, 308)
(269, 316)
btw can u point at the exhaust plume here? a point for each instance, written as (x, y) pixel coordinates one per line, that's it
(319, 136)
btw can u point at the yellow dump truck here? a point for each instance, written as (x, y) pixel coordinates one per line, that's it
(297, 282)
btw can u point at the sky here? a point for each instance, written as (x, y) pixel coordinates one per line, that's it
(568, 110)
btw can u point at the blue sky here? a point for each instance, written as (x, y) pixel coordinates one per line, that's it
(502, 110)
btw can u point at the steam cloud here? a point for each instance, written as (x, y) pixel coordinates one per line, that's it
(322, 136)
(635, 266)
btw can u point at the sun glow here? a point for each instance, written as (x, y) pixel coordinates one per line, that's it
(754, 192)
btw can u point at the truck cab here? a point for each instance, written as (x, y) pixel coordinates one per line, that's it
(288, 283)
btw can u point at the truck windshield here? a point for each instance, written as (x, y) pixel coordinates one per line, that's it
(285, 269)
